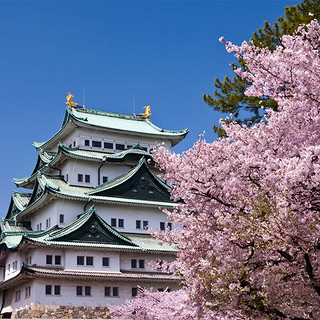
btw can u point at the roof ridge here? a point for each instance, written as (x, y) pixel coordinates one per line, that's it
(108, 113)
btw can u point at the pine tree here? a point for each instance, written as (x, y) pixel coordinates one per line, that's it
(228, 95)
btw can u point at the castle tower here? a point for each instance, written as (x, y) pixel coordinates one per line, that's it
(77, 241)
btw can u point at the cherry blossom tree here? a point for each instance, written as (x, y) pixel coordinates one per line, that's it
(249, 236)
(174, 305)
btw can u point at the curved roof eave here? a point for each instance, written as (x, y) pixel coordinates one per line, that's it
(67, 127)
(70, 117)
(166, 136)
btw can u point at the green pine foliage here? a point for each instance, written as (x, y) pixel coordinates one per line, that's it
(228, 95)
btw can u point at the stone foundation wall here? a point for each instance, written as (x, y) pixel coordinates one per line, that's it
(61, 312)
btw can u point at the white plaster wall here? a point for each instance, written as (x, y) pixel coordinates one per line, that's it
(39, 256)
(81, 134)
(73, 167)
(126, 257)
(113, 170)
(130, 214)
(71, 260)
(70, 209)
(24, 302)
(12, 257)
(68, 295)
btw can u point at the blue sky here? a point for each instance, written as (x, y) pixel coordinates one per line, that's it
(163, 53)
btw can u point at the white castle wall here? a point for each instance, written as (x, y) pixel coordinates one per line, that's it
(13, 265)
(114, 258)
(71, 168)
(72, 208)
(125, 260)
(68, 295)
(130, 214)
(78, 137)
(24, 300)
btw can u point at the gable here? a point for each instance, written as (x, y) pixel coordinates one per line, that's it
(91, 229)
(143, 185)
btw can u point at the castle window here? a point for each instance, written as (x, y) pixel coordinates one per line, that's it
(87, 143)
(28, 292)
(163, 226)
(119, 146)
(134, 291)
(80, 260)
(87, 290)
(67, 177)
(89, 261)
(115, 291)
(61, 218)
(141, 264)
(57, 260)
(145, 224)
(79, 290)
(107, 292)
(104, 179)
(113, 222)
(120, 223)
(138, 224)
(80, 177)
(96, 144)
(18, 295)
(14, 265)
(87, 178)
(133, 263)
(48, 289)
(57, 290)
(48, 223)
(108, 145)
(105, 262)
(48, 259)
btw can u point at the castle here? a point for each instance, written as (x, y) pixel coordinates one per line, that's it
(78, 239)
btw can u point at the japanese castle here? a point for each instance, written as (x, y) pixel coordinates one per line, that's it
(77, 242)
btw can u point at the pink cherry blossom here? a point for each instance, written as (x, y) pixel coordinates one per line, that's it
(249, 212)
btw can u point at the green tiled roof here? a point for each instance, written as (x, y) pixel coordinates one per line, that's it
(148, 243)
(19, 201)
(58, 272)
(122, 122)
(12, 235)
(11, 241)
(92, 218)
(48, 158)
(102, 156)
(58, 186)
(126, 176)
(114, 122)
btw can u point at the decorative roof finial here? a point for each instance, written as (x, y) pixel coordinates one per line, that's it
(69, 100)
(147, 113)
